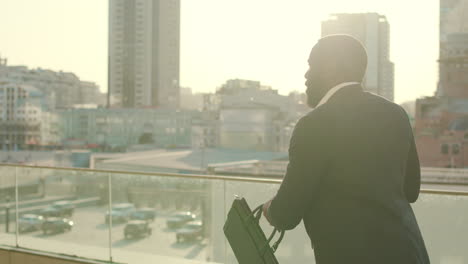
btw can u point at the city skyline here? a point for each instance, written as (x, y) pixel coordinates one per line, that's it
(219, 46)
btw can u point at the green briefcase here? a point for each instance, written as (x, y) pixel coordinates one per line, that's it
(246, 237)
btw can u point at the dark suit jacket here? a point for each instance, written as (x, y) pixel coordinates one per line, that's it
(353, 172)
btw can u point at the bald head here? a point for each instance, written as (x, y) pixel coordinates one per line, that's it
(333, 60)
(340, 55)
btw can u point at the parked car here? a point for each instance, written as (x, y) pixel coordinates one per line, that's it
(137, 228)
(56, 225)
(191, 231)
(179, 219)
(50, 212)
(120, 213)
(146, 214)
(30, 222)
(65, 208)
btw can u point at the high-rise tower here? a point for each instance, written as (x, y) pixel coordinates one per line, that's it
(144, 43)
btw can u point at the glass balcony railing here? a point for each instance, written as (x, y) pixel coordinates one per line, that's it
(130, 217)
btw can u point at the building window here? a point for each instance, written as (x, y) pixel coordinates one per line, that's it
(445, 149)
(259, 140)
(455, 149)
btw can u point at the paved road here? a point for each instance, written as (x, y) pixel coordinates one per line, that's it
(90, 230)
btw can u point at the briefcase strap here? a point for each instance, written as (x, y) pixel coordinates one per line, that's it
(272, 235)
(276, 244)
(257, 214)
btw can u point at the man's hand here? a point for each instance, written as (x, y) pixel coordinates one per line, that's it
(266, 206)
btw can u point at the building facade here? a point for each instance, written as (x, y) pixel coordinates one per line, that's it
(453, 19)
(190, 100)
(144, 40)
(118, 129)
(441, 122)
(61, 89)
(205, 129)
(253, 116)
(25, 122)
(251, 126)
(373, 31)
(453, 43)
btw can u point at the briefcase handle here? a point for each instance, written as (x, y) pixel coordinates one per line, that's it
(257, 213)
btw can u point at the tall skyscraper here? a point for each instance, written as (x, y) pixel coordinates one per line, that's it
(453, 53)
(453, 18)
(373, 31)
(144, 42)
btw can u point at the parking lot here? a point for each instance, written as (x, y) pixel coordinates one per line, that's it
(90, 229)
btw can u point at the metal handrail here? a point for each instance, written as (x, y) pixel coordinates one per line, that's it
(158, 174)
(200, 176)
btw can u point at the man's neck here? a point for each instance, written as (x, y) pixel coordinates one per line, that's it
(334, 90)
(334, 83)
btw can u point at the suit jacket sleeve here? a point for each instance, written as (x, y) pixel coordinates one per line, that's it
(413, 173)
(307, 161)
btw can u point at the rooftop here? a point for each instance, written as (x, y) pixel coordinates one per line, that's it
(182, 161)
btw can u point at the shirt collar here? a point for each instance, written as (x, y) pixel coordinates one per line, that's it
(333, 90)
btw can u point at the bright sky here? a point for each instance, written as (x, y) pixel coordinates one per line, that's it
(261, 40)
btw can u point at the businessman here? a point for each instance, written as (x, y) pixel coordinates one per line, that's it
(353, 167)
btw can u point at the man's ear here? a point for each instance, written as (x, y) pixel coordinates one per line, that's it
(331, 70)
(327, 71)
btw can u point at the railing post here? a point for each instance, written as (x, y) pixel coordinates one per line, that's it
(7, 216)
(109, 184)
(225, 210)
(16, 207)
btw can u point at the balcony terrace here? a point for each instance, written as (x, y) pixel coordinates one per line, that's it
(442, 211)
